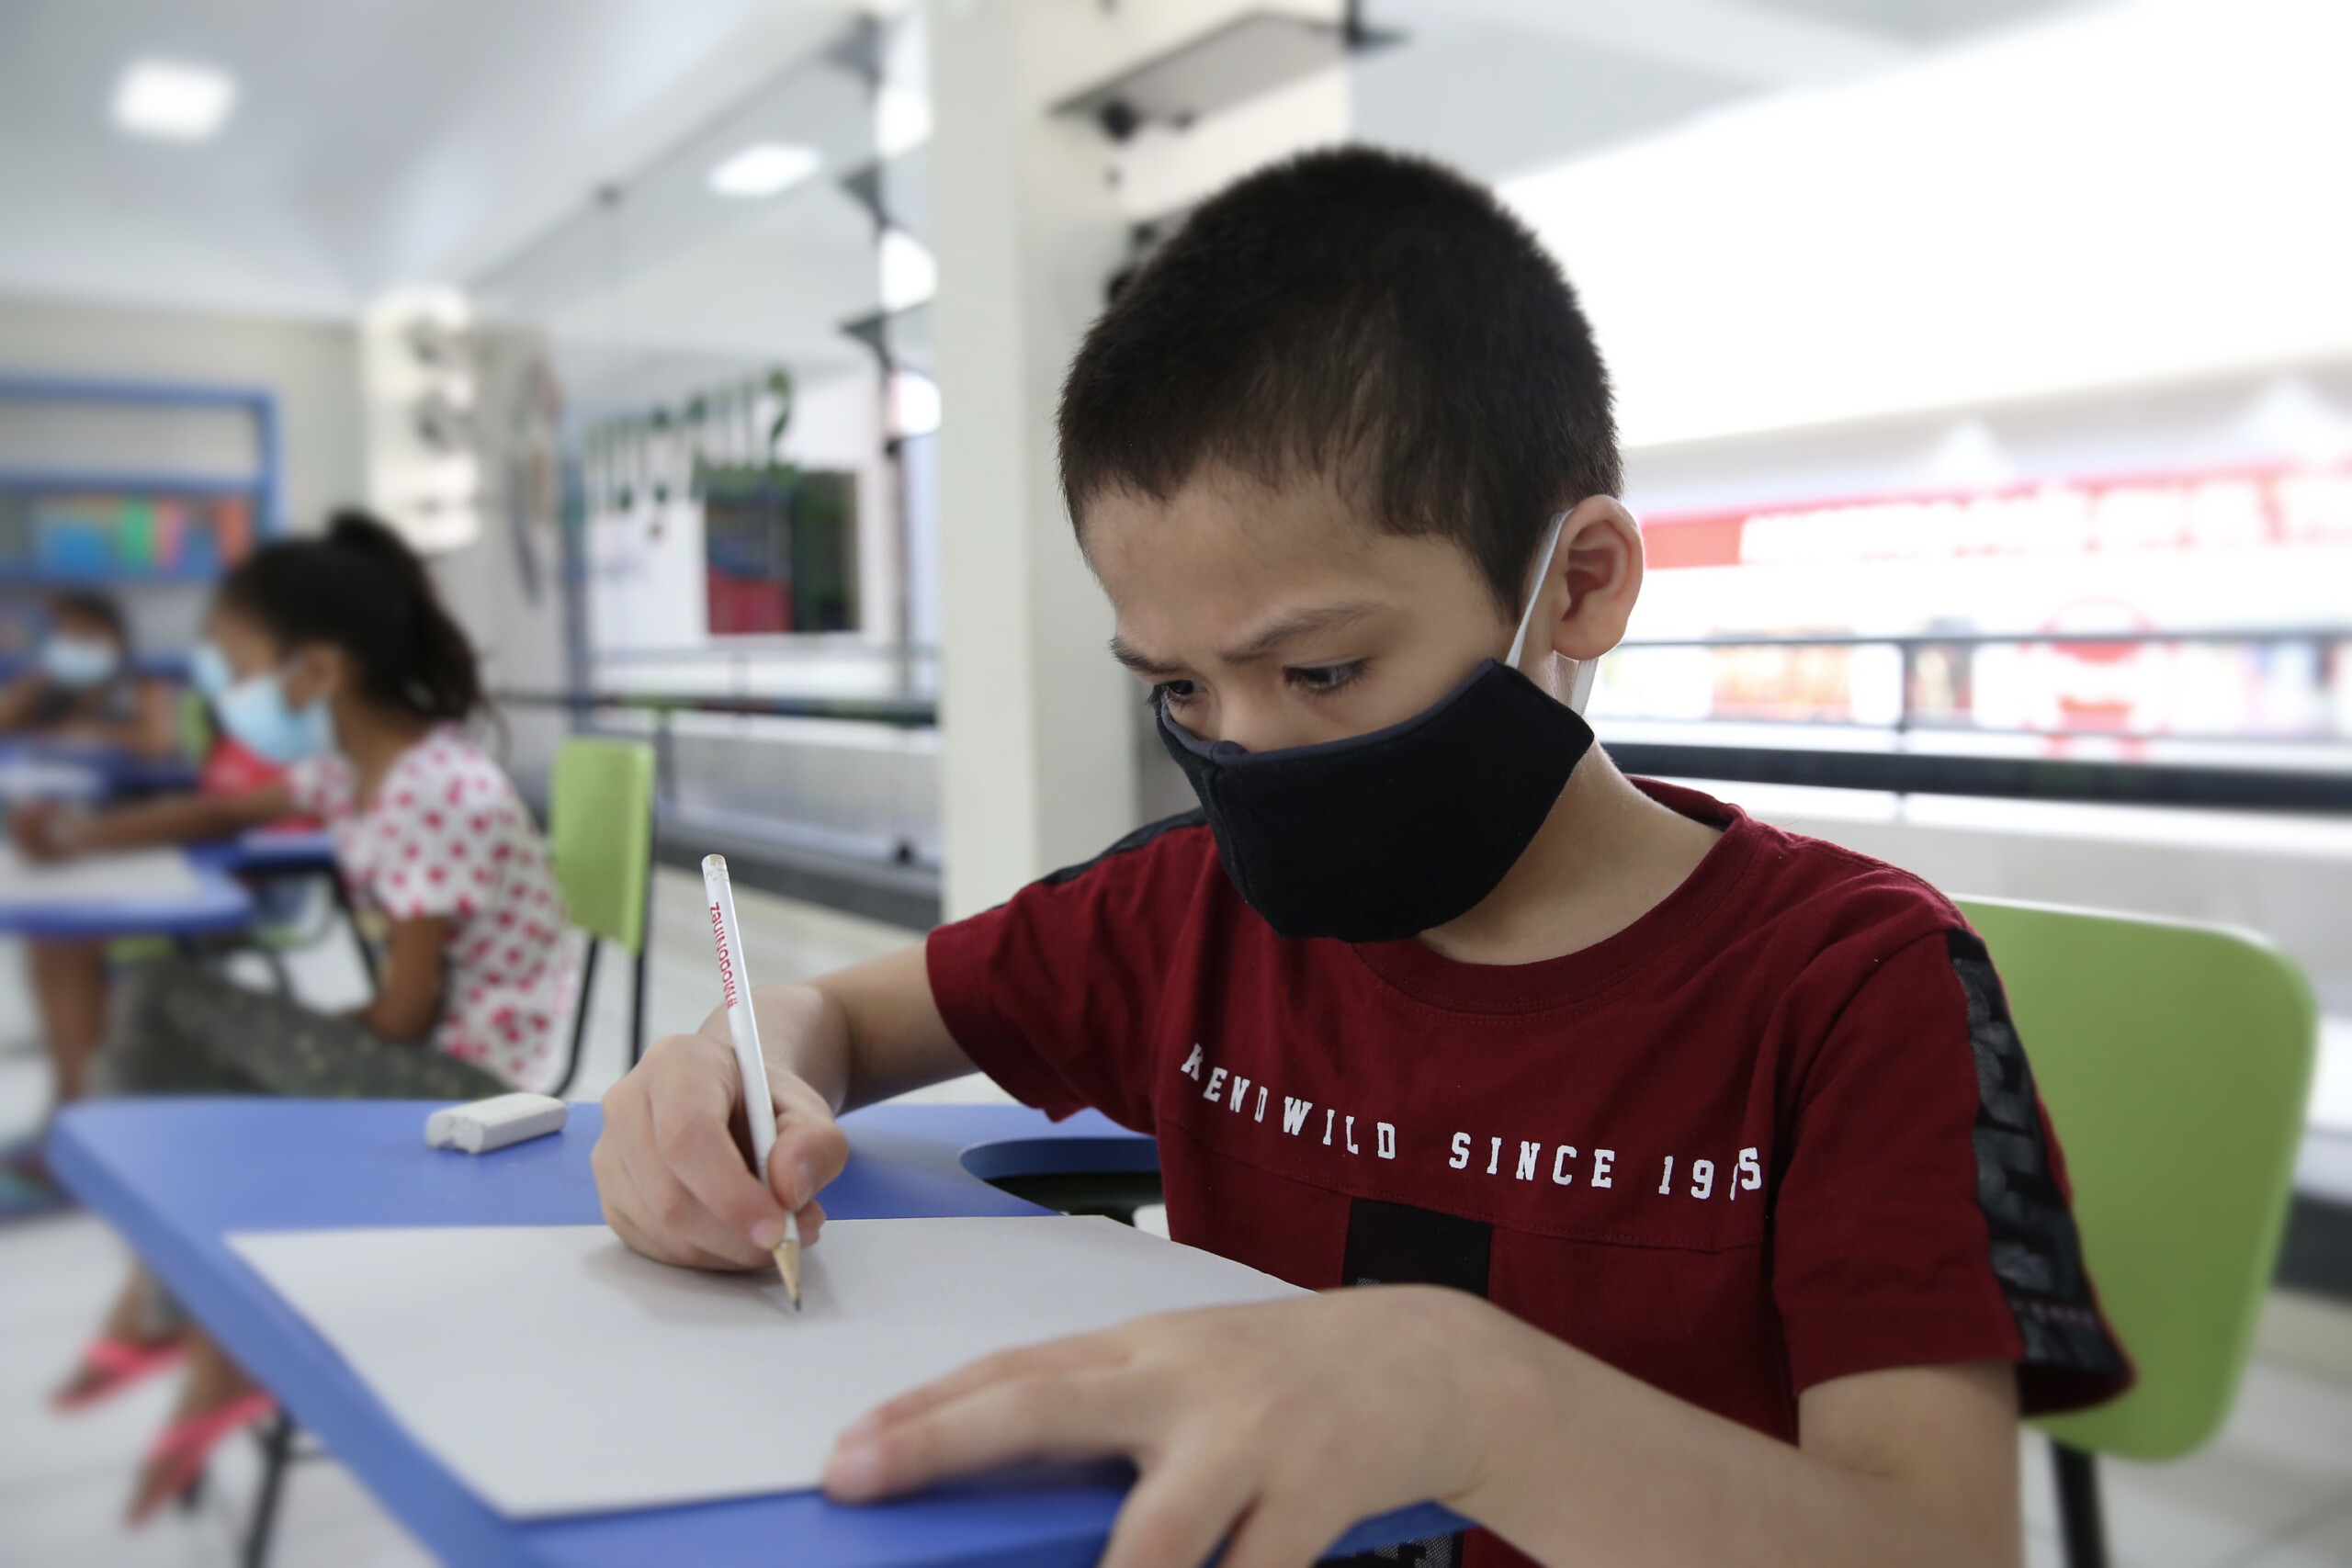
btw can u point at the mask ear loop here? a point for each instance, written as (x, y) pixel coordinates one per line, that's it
(1582, 669)
(1535, 587)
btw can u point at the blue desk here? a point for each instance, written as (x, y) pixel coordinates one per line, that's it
(175, 1177)
(216, 903)
(83, 771)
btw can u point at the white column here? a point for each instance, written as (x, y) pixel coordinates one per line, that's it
(1028, 219)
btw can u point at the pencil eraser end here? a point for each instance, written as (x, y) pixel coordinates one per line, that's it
(483, 1125)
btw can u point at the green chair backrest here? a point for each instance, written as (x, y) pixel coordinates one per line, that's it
(600, 834)
(192, 719)
(2174, 1060)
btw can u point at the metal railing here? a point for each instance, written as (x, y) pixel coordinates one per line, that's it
(1912, 646)
(2290, 788)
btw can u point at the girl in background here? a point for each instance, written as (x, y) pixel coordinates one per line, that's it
(82, 688)
(334, 658)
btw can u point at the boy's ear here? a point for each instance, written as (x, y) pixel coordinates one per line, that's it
(1594, 578)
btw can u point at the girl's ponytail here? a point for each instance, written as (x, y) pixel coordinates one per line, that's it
(437, 675)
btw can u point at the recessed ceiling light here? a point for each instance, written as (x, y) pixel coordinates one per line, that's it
(763, 168)
(173, 99)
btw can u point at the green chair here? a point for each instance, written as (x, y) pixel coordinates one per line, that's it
(600, 841)
(2174, 1060)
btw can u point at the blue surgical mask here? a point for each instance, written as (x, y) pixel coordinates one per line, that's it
(80, 662)
(209, 671)
(256, 712)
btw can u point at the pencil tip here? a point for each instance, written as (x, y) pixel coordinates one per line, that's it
(788, 1268)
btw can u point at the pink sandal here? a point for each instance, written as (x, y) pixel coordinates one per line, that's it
(185, 1446)
(111, 1365)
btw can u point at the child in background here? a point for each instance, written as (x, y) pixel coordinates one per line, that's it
(69, 977)
(83, 688)
(335, 659)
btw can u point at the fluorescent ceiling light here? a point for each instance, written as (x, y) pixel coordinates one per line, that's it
(173, 99)
(762, 169)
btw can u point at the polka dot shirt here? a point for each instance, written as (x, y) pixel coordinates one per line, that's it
(446, 836)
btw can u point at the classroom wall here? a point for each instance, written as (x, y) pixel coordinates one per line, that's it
(311, 365)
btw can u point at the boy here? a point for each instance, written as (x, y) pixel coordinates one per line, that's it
(1757, 1237)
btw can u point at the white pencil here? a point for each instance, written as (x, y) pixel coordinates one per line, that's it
(757, 1107)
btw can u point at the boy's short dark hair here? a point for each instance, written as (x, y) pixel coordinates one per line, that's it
(1370, 316)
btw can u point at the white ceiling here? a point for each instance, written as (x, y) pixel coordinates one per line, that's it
(381, 142)
(374, 141)
(2137, 195)
(1502, 87)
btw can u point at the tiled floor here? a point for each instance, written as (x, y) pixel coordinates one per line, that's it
(2274, 1491)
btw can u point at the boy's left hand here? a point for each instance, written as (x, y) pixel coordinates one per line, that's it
(1277, 1426)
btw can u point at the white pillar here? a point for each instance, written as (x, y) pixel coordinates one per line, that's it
(1040, 730)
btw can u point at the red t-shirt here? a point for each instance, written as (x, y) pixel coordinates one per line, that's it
(1777, 1131)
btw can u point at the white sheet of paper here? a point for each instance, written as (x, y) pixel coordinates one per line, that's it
(94, 879)
(555, 1371)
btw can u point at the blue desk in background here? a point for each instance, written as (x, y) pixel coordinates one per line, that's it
(175, 1177)
(216, 903)
(67, 770)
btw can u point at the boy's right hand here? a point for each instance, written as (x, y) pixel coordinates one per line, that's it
(674, 1165)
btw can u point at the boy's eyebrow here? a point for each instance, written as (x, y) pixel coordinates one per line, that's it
(1297, 624)
(1149, 668)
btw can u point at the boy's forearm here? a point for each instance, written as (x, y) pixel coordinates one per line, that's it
(1585, 1463)
(857, 1036)
(800, 1034)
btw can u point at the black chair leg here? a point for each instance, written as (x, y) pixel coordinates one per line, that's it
(579, 1017)
(351, 917)
(276, 1451)
(637, 1003)
(2082, 1524)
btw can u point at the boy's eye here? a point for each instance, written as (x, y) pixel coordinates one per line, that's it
(1322, 680)
(1177, 693)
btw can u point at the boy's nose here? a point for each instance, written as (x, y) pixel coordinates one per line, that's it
(1250, 727)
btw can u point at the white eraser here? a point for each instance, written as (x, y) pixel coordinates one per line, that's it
(486, 1125)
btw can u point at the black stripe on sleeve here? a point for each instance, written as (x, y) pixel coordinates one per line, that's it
(1142, 836)
(2037, 1253)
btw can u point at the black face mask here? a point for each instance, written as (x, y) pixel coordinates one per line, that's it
(1383, 836)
